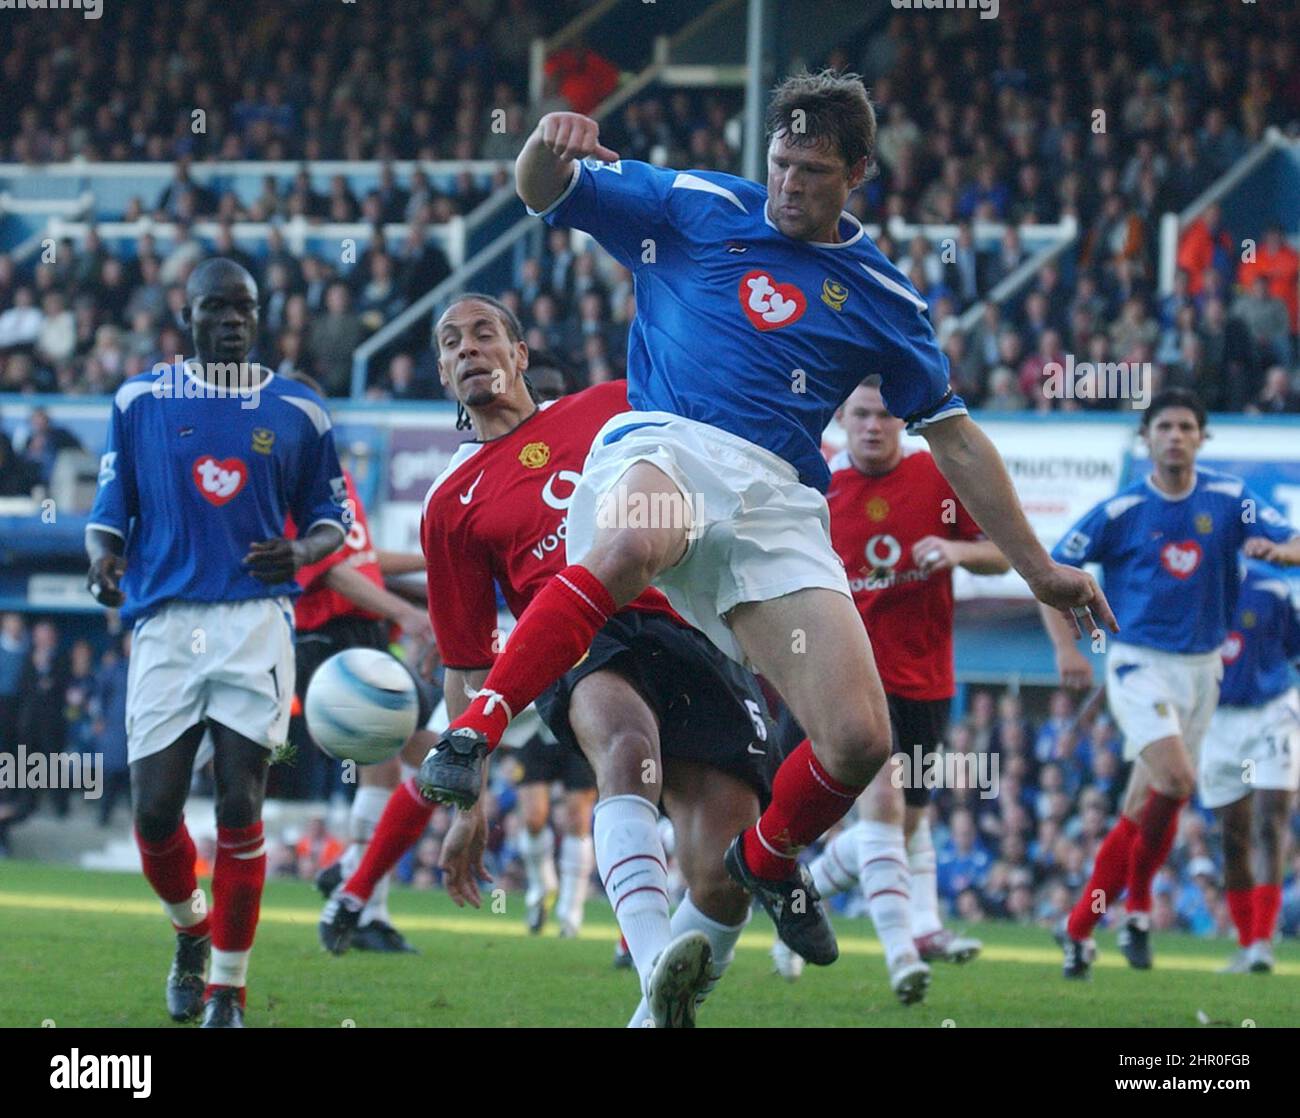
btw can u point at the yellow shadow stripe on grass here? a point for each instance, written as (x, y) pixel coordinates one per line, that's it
(479, 923)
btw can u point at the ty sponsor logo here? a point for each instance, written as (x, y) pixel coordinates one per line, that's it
(219, 482)
(769, 305)
(1232, 647)
(1181, 559)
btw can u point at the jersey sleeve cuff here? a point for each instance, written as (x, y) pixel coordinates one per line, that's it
(106, 528)
(950, 406)
(564, 194)
(326, 520)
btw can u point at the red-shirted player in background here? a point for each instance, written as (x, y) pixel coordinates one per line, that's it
(900, 530)
(653, 705)
(344, 604)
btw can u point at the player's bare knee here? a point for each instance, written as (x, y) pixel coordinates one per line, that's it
(238, 807)
(855, 750)
(156, 822)
(629, 765)
(1178, 784)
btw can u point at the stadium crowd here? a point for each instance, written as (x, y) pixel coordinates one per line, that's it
(1021, 854)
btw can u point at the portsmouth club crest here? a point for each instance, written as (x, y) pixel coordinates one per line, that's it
(1204, 524)
(263, 440)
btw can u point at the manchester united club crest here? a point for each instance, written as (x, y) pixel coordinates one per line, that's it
(535, 455)
(877, 509)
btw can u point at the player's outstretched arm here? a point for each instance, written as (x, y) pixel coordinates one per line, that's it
(1280, 554)
(545, 164)
(973, 467)
(107, 566)
(278, 560)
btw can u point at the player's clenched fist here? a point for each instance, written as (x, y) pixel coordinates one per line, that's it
(573, 136)
(1076, 594)
(102, 582)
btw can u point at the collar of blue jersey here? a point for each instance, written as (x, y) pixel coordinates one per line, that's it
(192, 368)
(844, 214)
(1172, 496)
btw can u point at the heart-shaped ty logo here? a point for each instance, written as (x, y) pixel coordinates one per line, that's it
(219, 482)
(770, 305)
(1181, 559)
(1231, 647)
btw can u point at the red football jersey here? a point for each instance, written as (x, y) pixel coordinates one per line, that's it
(498, 514)
(319, 603)
(874, 523)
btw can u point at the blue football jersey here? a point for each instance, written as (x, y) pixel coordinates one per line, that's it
(1170, 565)
(1264, 640)
(744, 328)
(190, 482)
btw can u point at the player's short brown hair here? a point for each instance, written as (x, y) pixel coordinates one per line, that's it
(828, 106)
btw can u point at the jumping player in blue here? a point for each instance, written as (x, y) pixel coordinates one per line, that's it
(1251, 758)
(204, 460)
(1169, 547)
(759, 310)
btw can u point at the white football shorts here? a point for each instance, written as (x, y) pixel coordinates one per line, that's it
(1154, 695)
(1249, 748)
(756, 532)
(231, 662)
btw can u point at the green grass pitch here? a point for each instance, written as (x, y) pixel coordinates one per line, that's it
(91, 949)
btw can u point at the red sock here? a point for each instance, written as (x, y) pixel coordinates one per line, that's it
(552, 635)
(169, 867)
(806, 803)
(237, 881)
(1241, 904)
(1109, 871)
(1268, 903)
(1157, 828)
(405, 816)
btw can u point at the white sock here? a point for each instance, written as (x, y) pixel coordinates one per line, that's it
(925, 881)
(363, 817)
(228, 968)
(537, 851)
(722, 938)
(185, 914)
(631, 860)
(886, 885)
(577, 855)
(836, 868)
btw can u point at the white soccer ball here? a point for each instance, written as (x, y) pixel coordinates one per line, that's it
(361, 706)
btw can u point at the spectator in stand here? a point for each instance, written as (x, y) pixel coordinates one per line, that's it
(333, 338)
(1279, 263)
(1278, 396)
(17, 476)
(1264, 317)
(1206, 245)
(14, 645)
(963, 862)
(42, 723)
(584, 78)
(43, 442)
(108, 706)
(20, 324)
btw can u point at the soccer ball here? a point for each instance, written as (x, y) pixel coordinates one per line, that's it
(361, 706)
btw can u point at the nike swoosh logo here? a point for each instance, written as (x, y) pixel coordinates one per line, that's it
(468, 495)
(751, 749)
